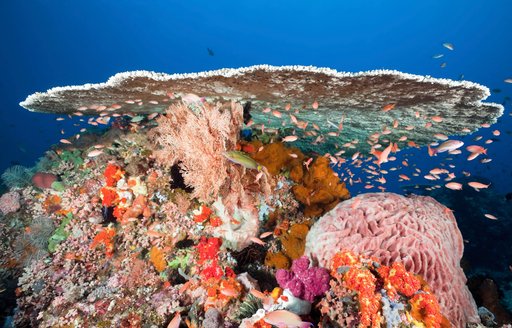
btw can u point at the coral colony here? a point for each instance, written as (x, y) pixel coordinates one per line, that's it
(212, 200)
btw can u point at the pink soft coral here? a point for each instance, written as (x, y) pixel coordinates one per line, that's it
(304, 281)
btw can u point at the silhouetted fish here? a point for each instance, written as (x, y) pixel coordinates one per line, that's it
(508, 197)
(210, 52)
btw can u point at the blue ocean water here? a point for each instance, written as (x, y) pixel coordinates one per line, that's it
(56, 43)
(47, 44)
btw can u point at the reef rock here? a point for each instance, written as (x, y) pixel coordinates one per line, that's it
(356, 104)
(416, 230)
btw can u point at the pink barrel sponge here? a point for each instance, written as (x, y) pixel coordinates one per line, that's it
(43, 180)
(303, 281)
(418, 231)
(9, 202)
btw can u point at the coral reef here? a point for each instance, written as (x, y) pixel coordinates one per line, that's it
(416, 230)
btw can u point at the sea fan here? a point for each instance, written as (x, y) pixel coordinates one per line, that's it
(17, 176)
(196, 138)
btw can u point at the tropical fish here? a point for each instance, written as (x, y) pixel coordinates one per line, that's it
(438, 56)
(453, 186)
(290, 138)
(478, 185)
(448, 145)
(509, 80)
(476, 149)
(448, 46)
(490, 216)
(95, 153)
(437, 119)
(243, 159)
(175, 322)
(314, 104)
(284, 318)
(388, 107)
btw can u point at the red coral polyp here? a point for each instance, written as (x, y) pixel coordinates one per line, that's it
(208, 248)
(203, 215)
(425, 308)
(105, 237)
(112, 174)
(397, 278)
(109, 196)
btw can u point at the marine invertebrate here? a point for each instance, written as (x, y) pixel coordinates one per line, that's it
(418, 231)
(17, 176)
(377, 299)
(43, 180)
(106, 238)
(157, 257)
(276, 157)
(320, 188)
(9, 202)
(293, 241)
(197, 136)
(304, 281)
(359, 97)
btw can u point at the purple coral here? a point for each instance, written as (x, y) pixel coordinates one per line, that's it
(303, 281)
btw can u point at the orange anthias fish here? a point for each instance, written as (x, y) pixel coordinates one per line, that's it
(388, 107)
(284, 318)
(382, 156)
(476, 149)
(478, 185)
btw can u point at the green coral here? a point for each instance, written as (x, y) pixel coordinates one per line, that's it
(249, 306)
(73, 156)
(60, 233)
(58, 186)
(17, 176)
(180, 262)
